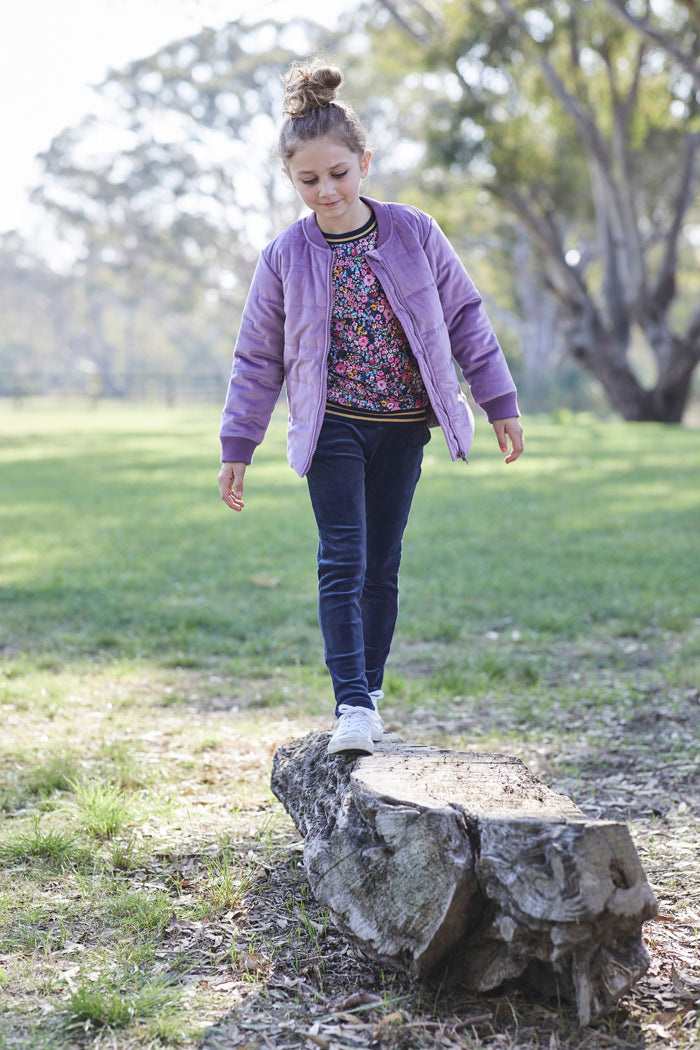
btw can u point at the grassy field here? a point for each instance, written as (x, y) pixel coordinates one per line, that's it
(155, 649)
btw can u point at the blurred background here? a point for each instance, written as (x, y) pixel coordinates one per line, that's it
(556, 143)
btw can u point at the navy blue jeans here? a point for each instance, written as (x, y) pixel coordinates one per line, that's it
(361, 482)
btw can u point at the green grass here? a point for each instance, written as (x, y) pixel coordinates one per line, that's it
(38, 783)
(103, 809)
(54, 848)
(595, 527)
(116, 545)
(155, 649)
(116, 548)
(118, 1000)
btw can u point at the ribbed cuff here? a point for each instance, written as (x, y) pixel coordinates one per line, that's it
(503, 407)
(237, 449)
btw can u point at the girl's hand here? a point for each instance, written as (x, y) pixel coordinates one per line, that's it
(510, 428)
(231, 484)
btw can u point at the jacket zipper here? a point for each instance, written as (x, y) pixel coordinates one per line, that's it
(320, 408)
(414, 340)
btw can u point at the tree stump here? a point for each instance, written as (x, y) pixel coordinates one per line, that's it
(467, 865)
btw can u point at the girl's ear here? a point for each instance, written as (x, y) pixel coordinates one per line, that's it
(364, 164)
(287, 177)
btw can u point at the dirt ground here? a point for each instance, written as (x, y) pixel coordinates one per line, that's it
(268, 969)
(314, 989)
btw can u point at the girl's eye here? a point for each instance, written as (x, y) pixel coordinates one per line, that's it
(334, 175)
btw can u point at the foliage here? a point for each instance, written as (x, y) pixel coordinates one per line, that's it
(161, 198)
(587, 130)
(576, 125)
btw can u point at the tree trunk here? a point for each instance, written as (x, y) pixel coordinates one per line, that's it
(467, 866)
(600, 352)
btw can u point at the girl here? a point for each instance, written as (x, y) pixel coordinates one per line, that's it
(359, 307)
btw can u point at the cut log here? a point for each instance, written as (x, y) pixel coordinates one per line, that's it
(467, 865)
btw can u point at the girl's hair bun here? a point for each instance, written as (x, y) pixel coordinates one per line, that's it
(312, 112)
(310, 87)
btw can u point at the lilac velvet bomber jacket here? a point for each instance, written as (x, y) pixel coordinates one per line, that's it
(285, 334)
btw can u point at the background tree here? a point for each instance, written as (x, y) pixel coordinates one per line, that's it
(31, 356)
(676, 33)
(574, 117)
(587, 131)
(406, 112)
(162, 199)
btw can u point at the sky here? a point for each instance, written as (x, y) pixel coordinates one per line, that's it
(51, 52)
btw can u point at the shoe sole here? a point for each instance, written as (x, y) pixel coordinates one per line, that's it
(351, 743)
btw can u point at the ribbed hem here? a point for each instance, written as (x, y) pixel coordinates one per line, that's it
(503, 407)
(237, 449)
(405, 415)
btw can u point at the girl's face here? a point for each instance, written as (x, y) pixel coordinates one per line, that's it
(327, 175)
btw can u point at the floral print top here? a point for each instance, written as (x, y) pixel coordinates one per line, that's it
(371, 367)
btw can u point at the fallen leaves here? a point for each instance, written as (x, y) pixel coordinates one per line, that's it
(397, 1028)
(270, 971)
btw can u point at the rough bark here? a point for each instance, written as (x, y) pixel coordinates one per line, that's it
(467, 865)
(633, 284)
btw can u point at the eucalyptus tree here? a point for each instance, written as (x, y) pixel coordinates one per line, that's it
(674, 31)
(582, 117)
(163, 195)
(31, 351)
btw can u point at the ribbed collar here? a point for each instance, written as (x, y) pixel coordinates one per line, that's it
(353, 235)
(384, 225)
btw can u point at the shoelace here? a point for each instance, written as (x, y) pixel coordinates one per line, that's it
(354, 721)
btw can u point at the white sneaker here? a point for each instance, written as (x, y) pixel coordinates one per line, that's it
(378, 726)
(358, 729)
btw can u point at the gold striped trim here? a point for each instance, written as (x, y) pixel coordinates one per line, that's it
(404, 415)
(354, 235)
